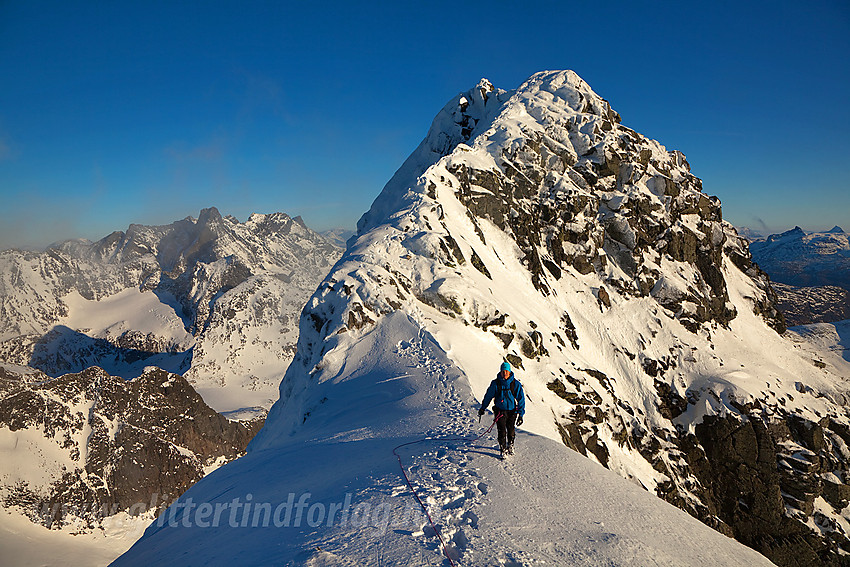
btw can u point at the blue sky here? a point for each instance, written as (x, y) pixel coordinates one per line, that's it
(120, 112)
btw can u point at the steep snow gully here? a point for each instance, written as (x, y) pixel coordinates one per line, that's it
(332, 494)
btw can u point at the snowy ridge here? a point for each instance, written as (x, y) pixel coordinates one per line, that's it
(210, 298)
(531, 226)
(489, 512)
(455, 124)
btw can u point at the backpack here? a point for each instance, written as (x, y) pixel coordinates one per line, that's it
(513, 388)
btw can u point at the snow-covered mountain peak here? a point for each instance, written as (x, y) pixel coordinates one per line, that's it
(566, 87)
(504, 119)
(795, 232)
(532, 226)
(547, 197)
(797, 257)
(277, 223)
(550, 165)
(197, 297)
(209, 216)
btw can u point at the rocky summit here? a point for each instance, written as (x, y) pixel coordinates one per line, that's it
(537, 227)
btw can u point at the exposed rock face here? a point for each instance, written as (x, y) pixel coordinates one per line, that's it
(762, 481)
(224, 298)
(537, 227)
(103, 445)
(806, 305)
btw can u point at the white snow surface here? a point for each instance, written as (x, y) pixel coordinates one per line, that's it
(25, 544)
(831, 338)
(545, 505)
(138, 310)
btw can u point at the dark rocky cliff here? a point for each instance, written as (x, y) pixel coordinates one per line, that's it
(127, 446)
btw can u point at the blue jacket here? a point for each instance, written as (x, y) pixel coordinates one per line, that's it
(503, 393)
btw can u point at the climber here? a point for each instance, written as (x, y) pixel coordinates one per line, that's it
(508, 405)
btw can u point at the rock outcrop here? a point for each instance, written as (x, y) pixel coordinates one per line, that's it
(85, 446)
(764, 480)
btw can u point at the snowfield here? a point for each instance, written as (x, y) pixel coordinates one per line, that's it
(25, 544)
(830, 341)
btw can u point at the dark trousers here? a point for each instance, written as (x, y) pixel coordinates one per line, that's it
(506, 425)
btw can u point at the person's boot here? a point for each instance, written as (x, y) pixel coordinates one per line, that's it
(510, 450)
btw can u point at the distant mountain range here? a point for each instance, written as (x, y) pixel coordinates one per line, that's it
(105, 347)
(212, 299)
(810, 271)
(800, 258)
(338, 235)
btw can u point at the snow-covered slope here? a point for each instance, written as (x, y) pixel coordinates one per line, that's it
(546, 506)
(210, 298)
(25, 544)
(796, 257)
(829, 339)
(79, 448)
(531, 226)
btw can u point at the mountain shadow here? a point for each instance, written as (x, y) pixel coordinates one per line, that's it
(63, 350)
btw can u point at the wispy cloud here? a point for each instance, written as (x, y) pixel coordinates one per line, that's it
(762, 225)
